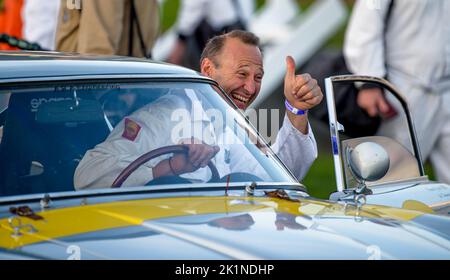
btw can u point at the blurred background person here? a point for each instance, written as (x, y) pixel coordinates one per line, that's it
(10, 20)
(39, 22)
(109, 27)
(411, 50)
(200, 20)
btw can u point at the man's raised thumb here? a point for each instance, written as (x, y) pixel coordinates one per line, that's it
(290, 67)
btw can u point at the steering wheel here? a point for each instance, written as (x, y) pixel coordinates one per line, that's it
(154, 154)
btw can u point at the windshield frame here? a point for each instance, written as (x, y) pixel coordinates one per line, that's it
(157, 189)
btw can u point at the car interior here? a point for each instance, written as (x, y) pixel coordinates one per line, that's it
(37, 132)
(44, 133)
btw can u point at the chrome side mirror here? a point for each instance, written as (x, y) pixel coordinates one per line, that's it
(368, 161)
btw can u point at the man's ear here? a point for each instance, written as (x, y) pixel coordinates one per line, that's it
(207, 67)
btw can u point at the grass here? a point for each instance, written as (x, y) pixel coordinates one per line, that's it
(170, 12)
(320, 179)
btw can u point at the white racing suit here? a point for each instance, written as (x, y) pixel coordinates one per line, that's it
(156, 125)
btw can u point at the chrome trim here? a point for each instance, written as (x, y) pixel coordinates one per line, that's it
(414, 181)
(163, 76)
(334, 134)
(146, 189)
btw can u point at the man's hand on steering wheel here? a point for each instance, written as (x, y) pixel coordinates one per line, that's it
(198, 156)
(188, 156)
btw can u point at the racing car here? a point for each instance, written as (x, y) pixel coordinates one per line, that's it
(55, 107)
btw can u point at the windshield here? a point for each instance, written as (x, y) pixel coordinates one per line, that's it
(82, 136)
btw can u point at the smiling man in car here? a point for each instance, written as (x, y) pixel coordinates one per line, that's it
(234, 60)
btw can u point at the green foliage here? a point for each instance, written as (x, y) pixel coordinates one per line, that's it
(429, 171)
(260, 3)
(320, 179)
(169, 14)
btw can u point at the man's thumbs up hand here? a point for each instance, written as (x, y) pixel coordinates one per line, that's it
(289, 78)
(301, 91)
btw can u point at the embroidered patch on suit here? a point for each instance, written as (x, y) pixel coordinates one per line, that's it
(131, 130)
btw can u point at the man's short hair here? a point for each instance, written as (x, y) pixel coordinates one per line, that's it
(215, 45)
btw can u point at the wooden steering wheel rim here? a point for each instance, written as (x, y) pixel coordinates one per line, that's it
(153, 154)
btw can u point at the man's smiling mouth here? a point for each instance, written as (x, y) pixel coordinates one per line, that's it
(240, 98)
